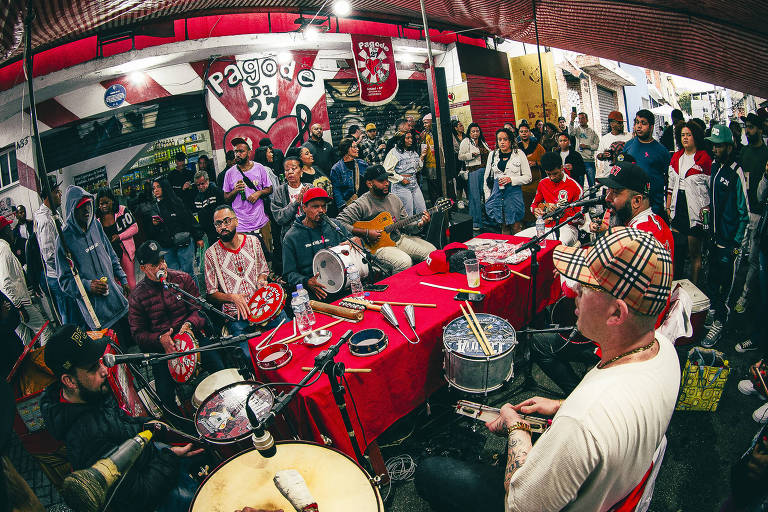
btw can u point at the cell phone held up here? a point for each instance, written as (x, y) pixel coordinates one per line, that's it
(471, 297)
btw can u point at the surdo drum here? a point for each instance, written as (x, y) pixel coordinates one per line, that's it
(466, 366)
(332, 265)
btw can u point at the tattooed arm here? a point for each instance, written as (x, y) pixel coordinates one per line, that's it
(518, 441)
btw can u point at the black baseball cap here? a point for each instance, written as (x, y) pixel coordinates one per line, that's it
(376, 172)
(627, 175)
(149, 252)
(753, 119)
(71, 347)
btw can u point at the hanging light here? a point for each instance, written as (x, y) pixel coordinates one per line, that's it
(342, 8)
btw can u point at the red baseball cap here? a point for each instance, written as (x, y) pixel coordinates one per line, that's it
(454, 247)
(4, 222)
(316, 193)
(436, 263)
(82, 201)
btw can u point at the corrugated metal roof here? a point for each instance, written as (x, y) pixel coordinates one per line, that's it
(725, 43)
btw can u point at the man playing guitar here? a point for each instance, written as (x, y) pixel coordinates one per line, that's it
(408, 249)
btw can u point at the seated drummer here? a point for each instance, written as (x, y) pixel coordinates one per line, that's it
(407, 249)
(80, 410)
(556, 190)
(235, 268)
(308, 235)
(156, 314)
(604, 436)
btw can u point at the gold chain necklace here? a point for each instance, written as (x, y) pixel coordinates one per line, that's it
(602, 365)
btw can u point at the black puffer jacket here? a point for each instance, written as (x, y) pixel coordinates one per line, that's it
(91, 431)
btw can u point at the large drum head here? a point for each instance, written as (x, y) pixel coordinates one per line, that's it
(458, 336)
(214, 382)
(331, 270)
(335, 481)
(221, 418)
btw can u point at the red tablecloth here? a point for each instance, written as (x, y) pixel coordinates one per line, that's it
(404, 375)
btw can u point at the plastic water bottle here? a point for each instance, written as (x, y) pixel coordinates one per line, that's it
(307, 308)
(540, 228)
(299, 312)
(355, 286)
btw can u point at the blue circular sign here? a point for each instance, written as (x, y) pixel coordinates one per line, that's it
(114, 96)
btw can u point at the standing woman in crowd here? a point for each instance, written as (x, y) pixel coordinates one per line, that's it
(311, 174)
(538, 130)
(174, 228)
(457, 131)
(548, 138)
(687, 195)
(347, 175)
(120, 226)
(405, 161)
(473, 152)
(507, 171)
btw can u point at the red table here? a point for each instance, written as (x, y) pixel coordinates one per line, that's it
(404, 375)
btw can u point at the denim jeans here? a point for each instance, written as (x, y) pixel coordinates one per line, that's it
(454, 485)
(476, 197)
(181, 258)
(410, 195)
(68, 309)
(589, 167)
(759, 332)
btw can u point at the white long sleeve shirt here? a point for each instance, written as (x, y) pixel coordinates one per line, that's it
(45, 229)
(12, 282)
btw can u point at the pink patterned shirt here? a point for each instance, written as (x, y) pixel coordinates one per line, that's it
(235, 271)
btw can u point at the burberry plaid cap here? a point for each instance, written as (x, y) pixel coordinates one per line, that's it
(628, 263)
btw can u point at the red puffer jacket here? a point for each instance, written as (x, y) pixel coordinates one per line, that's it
(153, 310)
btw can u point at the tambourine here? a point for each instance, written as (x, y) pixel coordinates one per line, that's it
(266, 303)
(368, 342)
(273, 356)
(182, 369)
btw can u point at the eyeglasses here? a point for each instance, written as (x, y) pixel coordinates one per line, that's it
(225, 221)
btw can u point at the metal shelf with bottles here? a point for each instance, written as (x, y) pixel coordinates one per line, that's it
(159, 157)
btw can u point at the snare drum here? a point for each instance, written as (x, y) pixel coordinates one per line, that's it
(184, 368)
(214, 382)
(331, 265)
(273, 356)
(221, 418)
(466, 366)
(246, 480)
(368, 342)
(266, 303)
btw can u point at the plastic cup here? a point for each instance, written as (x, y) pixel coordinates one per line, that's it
(472, 266)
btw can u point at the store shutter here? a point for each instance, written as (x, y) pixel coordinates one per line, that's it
(490, 101)
(123, 128)
(606, 99)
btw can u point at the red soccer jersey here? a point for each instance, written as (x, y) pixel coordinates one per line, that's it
(550, 192)
(655, 225)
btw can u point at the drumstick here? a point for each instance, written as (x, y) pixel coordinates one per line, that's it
(479, 327)
(416, 304)
(346, 370)
(331, 324)
(449, 288)
(474, 331)
(519, 274)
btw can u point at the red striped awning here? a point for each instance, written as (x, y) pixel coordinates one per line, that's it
(725, 43)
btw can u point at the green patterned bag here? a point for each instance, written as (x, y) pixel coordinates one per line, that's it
(703, 380)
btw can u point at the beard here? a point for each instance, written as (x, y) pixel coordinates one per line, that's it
(227, 236)
(624, 214)
(379, 192)
(241, 161)
(90, 396)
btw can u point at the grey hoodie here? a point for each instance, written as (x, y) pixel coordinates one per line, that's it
(94, 258)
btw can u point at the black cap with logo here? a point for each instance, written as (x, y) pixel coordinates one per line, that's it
(627, 175)
(71, 347)
(149, 252)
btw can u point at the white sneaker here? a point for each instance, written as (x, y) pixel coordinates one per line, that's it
(745, 346)
(761, 414)
(746, 387)
(713, 335)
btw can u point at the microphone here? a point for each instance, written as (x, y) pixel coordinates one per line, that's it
(261, 438)
(111, 360)
(573, 334)
(86, 490)
(588, 201)
(161, 275)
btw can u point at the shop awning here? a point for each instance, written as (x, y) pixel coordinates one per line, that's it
(605, 69)
(725, 43)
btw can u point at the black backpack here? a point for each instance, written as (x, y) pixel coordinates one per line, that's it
(34, 261)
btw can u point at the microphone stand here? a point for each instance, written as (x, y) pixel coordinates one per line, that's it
(368, 254)
(533, 245)
(226, 342)
(196, 301)
(324, 362)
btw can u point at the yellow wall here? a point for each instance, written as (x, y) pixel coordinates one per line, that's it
(526, 87)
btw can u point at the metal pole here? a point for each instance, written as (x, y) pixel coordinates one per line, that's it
(541, 70)
(42, 174)
(435, 115)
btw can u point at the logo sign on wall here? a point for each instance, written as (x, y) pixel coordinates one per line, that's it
(114, 96)
(375, 66)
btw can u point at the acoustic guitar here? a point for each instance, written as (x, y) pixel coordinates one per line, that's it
(384, 222)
